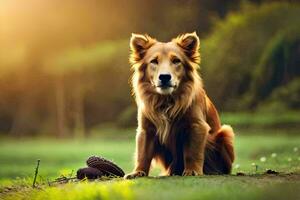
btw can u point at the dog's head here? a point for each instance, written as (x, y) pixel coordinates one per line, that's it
(164, 66)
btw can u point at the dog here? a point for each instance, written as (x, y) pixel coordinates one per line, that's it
(178, 126)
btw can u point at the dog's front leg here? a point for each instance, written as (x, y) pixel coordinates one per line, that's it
(144, 154)
(194, 149)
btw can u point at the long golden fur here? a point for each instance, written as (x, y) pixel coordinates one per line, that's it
(178, 126)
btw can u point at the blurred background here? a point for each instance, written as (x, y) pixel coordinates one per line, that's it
(64, 68)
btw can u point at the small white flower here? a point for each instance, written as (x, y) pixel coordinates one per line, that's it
(273, 155)
(253, 164)
(263, 159)
(295, 149)
(237, 166)
(289, 159)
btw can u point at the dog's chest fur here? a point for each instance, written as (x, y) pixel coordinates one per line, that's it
(168, 125)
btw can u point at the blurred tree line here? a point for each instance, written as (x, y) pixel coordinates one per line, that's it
(252, 59)
(64, 64)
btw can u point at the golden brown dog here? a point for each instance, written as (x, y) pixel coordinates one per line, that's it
(178, 126)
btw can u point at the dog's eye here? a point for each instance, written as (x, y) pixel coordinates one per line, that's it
(154, 61)
(176, 61)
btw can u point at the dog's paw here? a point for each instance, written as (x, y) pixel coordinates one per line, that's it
(191, 173)
(135, 175)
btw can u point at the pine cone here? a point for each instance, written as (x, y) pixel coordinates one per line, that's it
(89, 172)
(107, 167)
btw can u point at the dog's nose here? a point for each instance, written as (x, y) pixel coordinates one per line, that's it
(164, 78)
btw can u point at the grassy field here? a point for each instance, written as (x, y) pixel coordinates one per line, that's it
(255, 153)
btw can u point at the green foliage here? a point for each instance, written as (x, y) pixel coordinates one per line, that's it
(275, 69)
(71, 71)
(283, 98)
(77, 59)
(241, 47)
(128, 118)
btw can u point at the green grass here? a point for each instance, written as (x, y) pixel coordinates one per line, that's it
(264, 120)
(18, 159)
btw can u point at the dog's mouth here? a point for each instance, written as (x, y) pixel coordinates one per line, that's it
(165, 89)
(166, 86)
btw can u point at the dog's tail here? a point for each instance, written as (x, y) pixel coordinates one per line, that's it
(219, 152)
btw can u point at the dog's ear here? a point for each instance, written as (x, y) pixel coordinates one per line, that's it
(139, 44)
(190, 43)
